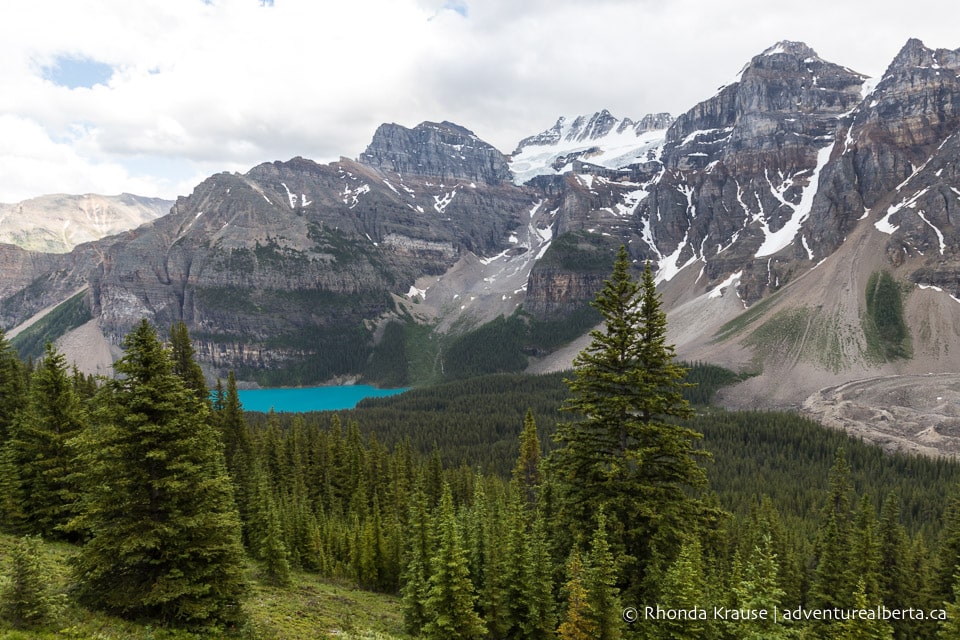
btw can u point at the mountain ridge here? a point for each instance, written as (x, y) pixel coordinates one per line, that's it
(766, 209)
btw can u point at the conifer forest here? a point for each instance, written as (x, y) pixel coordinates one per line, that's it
(610, 501)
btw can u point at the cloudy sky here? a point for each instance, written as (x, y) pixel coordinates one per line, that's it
(150, 97)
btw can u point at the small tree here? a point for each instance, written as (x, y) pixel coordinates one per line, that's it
(578, 619)
(449, 607)
(25, 600)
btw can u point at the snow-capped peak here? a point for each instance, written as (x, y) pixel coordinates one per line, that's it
(600, 139)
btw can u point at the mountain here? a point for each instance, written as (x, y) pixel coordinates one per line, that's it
(801, 222)
(58, 223)
(600, 139)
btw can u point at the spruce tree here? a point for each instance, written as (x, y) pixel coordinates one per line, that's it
(539, 613)
(25, 600)
(12, 386)
(184, 364)
(759, 590)
(626, 455)
(526, 473)
(950, 628)
(600, 581)
(855, 628)
(450, 603)
(276, 558)
(684, 587)
(578, 619)
(832, 585)
(41, 446)
(416, 574)
(164, 536)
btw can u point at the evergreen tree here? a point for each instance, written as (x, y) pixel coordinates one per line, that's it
(950, 628)
(625, 455)
(539, 615)
(25, 600)
(41, 446)
(578, 619)
(865, 553)
(600, 581)
(449, 607)
(894, 552)
(855, 628)
(684, 587)
(12, 515)
(526, 473)
(184, 364)
(948, 557)
(832, 580)
(164, 536)
(416, 574)
(276, 558)
(12, 386)
(759, 590)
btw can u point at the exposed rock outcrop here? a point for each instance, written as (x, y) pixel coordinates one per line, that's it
(444, 150)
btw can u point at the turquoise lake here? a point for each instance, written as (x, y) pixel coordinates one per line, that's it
(298, 400)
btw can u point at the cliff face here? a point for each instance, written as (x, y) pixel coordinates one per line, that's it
(443, 150)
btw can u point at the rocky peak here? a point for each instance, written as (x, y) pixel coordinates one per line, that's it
(649, 122)
(915, 54)
(441, 150)
(785, 97)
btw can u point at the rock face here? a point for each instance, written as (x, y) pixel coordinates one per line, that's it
(445, 151)
(58, 223)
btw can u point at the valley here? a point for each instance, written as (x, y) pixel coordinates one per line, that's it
(767, 210)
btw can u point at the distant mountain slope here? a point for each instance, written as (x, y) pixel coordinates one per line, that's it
(58, 223)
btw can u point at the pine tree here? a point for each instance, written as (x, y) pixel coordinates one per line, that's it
(41, 446)
(25, 600)
(625, 455)
(449, 607)
(164, 536)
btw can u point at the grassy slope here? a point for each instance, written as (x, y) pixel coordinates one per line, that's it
(311, 608)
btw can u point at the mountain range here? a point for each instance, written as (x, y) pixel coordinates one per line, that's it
(802, 223)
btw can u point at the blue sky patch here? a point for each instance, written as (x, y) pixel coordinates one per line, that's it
(73, 73)
(457, 6)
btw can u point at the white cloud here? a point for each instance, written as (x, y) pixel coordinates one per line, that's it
(201, 87)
